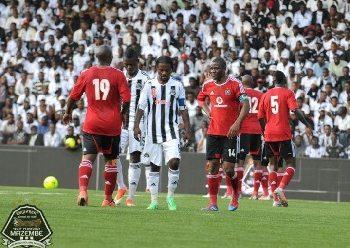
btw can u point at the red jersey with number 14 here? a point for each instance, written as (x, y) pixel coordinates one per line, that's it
(224, 104)
(105, 89)
(275, 106)
(251, 124)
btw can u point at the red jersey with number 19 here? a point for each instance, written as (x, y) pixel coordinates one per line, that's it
(105, 89)
(275, 106)
(250, 124)
(224, 103)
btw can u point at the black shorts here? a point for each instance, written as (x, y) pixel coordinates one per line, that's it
(222, 147)
(250, 143)
(282, 149)
(108, 145)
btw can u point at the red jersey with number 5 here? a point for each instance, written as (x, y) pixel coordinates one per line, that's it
(224, 104)
(275, 107)
(250, 124)
(105, 89)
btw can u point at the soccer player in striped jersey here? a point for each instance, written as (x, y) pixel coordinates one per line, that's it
(228, 107)
(136, 80)
(164, 98)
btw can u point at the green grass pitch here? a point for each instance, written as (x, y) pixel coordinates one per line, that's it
(254, 224)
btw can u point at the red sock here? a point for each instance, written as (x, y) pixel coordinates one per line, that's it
(110, 175)
(265, 183)
(239, 172)
(213, 188)
(273, 184)
(279, 178)
(257, 181)
(84, 173)
(228, 185)
(287, 177)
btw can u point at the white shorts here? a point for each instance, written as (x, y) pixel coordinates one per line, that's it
(152, 153)
(127, 140)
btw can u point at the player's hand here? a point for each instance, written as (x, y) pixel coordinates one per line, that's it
(308, 131)
(209, 115)
(187, 138)
(67, 118)
(123, 119)
(233, 130)
(137, 133)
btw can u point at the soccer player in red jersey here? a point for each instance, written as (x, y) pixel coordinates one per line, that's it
(250, 142)
(105, 88)
(273, 115)
(228, 107)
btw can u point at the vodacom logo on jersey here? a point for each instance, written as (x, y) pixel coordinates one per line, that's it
(219, 102)
(161, 102)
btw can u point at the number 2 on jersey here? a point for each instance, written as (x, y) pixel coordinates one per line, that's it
(101, 86)
(274, 104)
(253, 103)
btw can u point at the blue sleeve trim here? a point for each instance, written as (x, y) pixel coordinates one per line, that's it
(182, 102)
(242, 97)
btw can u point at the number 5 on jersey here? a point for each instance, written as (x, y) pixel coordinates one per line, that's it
(274, 104)
(101, 86)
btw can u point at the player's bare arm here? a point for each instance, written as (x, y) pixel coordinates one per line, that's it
(137, 130)
(67, 117)
(125, 109)
(262, 123)
(186, 120)
(301, 118)
(242, 115)
(206, 109)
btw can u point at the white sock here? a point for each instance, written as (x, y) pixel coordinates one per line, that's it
(153, 185)
(134, 177)
(120, 177)
(173, 179)
(147, 171)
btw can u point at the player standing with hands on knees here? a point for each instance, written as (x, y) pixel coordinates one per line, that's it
(105, 88)
(164, 98)
(229, 106)
(274, 110)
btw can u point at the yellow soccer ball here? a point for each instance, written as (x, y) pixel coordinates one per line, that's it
(50, 182)
(70, 142)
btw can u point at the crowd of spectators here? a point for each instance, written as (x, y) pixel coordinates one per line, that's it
(46, 44)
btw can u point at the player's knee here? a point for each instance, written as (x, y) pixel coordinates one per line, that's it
(242, 155)
(273, 167)
(154, 168)
(230, 172)
(214, 167)
(135, 157)
(174, 163)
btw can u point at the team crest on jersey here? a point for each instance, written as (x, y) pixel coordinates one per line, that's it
(138, 85)
(154, 92)
(172, 91)
(227, 92)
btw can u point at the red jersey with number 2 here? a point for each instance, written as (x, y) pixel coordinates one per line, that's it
(251, 124)
(105, 89)
(224, 104)
(275, 107)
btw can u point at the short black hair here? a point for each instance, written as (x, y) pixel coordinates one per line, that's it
(130, 54)
(280, 77)
(165, 60)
